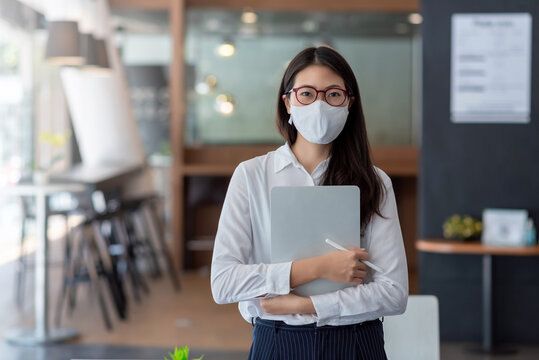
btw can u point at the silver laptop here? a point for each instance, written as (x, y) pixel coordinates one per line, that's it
(303, 217)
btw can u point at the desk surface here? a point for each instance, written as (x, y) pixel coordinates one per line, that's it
(98, 176)
(473, 247)
(46, 189)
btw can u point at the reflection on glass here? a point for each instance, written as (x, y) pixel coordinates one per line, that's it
(377, 46)
(249, 17)
(143, 39)
(224, 104)
(226, 49)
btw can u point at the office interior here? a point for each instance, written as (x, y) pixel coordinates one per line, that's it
(122, 121)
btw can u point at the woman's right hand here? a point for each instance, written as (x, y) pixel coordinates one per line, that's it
(344, 266)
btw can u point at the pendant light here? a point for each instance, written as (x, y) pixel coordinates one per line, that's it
(63, 42)
(86, 28)
(100, 33)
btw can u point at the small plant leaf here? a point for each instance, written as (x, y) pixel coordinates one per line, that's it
(181, 354)
(171, 356)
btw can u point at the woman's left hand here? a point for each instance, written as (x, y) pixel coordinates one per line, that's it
(288, 304)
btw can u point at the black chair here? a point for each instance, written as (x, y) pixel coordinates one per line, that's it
(104, 248)
(145, 227)
(84, 263)
(116, 242)
(88, 258)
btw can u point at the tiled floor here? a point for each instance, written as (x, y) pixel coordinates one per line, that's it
(164, 318)
(81, 351)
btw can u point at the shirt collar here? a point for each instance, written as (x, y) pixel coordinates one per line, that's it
(284, 157)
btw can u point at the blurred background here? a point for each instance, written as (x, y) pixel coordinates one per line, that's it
(121, 122)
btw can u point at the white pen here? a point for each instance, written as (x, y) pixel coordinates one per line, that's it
(340, 247)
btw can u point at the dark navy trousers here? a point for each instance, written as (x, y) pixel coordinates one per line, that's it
(275, 340)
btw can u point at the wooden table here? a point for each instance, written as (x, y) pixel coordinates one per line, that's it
(441, 246)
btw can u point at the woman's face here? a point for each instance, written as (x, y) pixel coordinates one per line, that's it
(319, 77)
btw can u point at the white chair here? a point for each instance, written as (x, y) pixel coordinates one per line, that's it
(414, 335)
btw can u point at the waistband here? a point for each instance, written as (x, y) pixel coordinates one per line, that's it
(277, 324)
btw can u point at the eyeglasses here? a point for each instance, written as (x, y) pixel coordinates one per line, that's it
(306, 95)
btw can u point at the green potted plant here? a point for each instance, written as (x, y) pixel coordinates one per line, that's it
(56, 141)
(462, 227)
(180, 354)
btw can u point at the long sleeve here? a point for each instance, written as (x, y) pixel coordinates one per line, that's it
(383, 293)
(233, 278)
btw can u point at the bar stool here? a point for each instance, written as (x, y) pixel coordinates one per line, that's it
(102, 250)
(147, 228)
(84, 264)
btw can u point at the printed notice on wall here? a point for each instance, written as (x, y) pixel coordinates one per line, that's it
(491, 68)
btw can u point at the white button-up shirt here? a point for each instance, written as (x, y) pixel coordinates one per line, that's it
(241, 267)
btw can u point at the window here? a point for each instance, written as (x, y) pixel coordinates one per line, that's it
(16, 98)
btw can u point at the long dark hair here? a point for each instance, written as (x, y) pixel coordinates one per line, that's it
(350, 162)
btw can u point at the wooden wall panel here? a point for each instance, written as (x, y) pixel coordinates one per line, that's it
(225, 154)
(177, 111)
(278, 5)
(310, 5)
(141, 4)
(222, 160)
(406, 194)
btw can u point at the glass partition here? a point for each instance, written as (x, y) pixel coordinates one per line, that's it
(143, 38)
(144, 41)
(235, 61)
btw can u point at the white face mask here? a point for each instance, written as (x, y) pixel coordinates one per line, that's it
(319, 122)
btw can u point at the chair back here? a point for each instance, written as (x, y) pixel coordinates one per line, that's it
(414, 335)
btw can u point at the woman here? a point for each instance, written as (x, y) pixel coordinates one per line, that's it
(320, 116)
